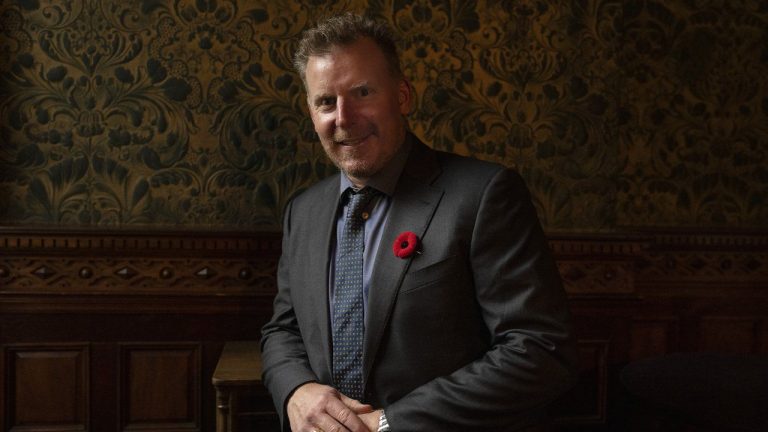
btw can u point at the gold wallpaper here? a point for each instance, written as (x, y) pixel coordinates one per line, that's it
(186, 113)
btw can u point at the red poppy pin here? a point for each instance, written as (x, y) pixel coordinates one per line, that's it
(405, 245)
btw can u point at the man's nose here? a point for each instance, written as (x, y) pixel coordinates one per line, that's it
(345, 113)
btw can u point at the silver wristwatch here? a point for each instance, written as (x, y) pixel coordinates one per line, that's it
(383, 424)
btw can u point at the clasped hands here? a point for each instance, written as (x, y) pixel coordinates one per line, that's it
(316, 407)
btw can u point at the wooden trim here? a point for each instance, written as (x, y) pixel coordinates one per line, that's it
(49, 270)
(81, 271)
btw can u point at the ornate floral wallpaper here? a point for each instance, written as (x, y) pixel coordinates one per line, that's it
(186, 113)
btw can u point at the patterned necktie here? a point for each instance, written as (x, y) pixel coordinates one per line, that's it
(348, 326)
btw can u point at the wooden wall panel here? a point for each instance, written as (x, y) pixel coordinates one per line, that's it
(47, 387)
(160, 387)
(149, 312)
(653, 336)
(587, 402)
(731, 334)
(189, 294)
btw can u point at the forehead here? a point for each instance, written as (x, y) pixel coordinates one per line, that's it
(347, 64)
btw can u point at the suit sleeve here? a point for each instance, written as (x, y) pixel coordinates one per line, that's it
(517, 286)
(284, 356)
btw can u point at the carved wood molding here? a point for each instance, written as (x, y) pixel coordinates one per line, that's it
(757, 241)
(25, 242)
(683, 263)
(134, 263)
(598, 266)
(97, 266)
(116, 271)
(137, 276)
(703, 261)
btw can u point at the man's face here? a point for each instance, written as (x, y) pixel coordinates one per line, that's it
(357, 107)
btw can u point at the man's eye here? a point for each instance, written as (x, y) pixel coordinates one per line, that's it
(364, 92)
(326, 101)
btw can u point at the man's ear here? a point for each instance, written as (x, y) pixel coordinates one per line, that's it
(405, 96)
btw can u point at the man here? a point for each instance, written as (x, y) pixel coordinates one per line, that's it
(468, 331)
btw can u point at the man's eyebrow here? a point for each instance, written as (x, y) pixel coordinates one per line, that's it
(362, 84)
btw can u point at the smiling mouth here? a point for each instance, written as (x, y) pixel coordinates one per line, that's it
(351, 141)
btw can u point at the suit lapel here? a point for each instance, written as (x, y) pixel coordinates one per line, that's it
(320, 250)
(413, 205)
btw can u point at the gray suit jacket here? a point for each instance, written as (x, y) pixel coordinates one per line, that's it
(470, 335)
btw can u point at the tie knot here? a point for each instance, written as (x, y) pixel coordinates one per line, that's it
(358, 202)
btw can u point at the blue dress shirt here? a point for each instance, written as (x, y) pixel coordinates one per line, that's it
(384, 181)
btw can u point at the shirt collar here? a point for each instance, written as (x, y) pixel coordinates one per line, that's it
(386, 179)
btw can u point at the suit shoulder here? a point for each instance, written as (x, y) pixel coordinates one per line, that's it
(469, 170)
(455, 161)
(317, 191)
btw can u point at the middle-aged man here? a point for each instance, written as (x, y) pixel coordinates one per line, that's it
(461, 324)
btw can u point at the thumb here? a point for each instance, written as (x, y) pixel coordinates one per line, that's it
(356, 406)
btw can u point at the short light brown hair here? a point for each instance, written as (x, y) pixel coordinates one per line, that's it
(344, 30)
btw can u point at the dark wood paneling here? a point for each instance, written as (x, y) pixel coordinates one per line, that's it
(160, 386)
(188, 290)
(652, 294)
(154, 309)
(110, 332)
(653, 336)
(731, 334)
(586, 402)
(47, 387)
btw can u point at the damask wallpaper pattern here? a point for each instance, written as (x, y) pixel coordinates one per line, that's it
(186, 113)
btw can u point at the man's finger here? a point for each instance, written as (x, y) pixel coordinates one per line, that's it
(345, 415)
(324, 408)
(356, 406)
(327, 423)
